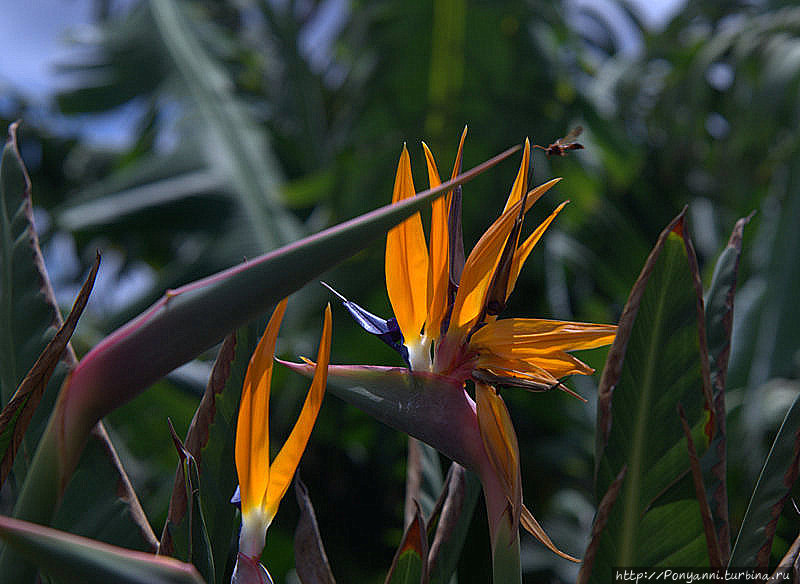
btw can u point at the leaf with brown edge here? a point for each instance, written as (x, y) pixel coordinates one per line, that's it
(719, 302)
(600, 520)
(714, 554)
(17, 413)
(410, 563)
(659, 358)
(778, 476)
(311, 561)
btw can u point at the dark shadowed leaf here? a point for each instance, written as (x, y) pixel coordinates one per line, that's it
(719, 324)
(459, 496)
(78, 560)
(192, 534)
(778, 475)
(423, 480)
(311, 561)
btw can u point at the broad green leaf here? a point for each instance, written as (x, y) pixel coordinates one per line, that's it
(73, 559)
(719, 324)
(210, 440)
(658, 360)
(311, 561)
(410, 563)
(778, 476)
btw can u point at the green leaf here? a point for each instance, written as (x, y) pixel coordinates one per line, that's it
(719, 324)
(74, 559)
(778, 475)
(658, 361)
(410, 563)
(311, 561)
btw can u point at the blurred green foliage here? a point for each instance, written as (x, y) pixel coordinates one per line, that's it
(701, 112)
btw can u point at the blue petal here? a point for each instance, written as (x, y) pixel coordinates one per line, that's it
(386, 330)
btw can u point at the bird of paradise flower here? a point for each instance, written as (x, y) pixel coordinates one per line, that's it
(262, 485)
(447, 330)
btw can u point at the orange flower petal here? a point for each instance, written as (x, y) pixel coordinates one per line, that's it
(252, 427)
(520, 337)
(482, 261)
(521, 181)
(524, 250)
(285, 463)
(439, 266)
(532, 526)
(407, 261)
(500, 443)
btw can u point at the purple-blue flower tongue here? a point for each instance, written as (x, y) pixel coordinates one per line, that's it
(386, 330)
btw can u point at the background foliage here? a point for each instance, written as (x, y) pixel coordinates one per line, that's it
(702, 112)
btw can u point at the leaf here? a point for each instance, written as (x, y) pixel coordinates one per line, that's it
(17, 414)
(193, 533)
(459, 496)
(719, 324)
(714, 555)
(311, 561)
(210, 440)
(75, 559)
(429, 407)
(778, 475)
(658, 359)
(410, 563)
(423, 480)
